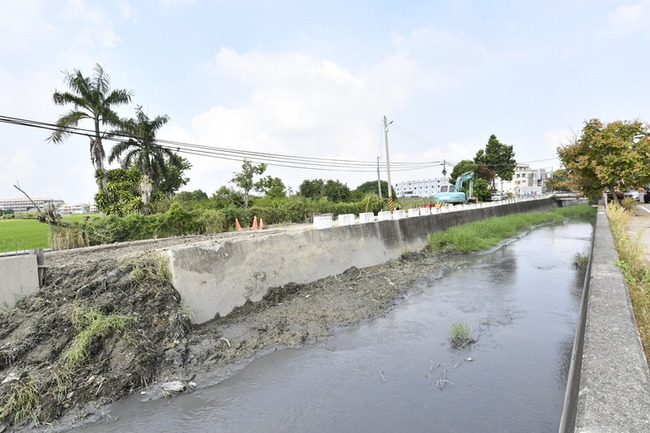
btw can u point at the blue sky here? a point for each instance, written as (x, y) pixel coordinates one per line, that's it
(315, 78)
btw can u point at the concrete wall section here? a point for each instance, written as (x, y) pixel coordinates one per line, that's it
(215, 277)
(613, 392)
(19, 279)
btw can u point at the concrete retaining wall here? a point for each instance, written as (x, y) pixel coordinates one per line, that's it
(20, 277)
(609, 383)
(215, 277)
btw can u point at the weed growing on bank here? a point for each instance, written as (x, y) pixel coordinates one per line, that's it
(485, 234)
(636, 270)
(90, 323)
(581, 261)
(22, 401)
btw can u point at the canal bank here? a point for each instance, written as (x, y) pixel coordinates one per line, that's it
(609, 384)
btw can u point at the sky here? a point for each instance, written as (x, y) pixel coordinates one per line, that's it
(315, 79)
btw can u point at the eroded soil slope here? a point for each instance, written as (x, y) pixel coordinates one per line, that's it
(108, 323)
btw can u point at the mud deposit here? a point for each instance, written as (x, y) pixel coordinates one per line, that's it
(158, 351)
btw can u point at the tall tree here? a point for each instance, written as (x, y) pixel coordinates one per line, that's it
(91, 98)
(142, 152)
(312, 188)
(245, 179)
(462, 167)
(272, 187)
(612, 156)
(371, 187)
(333, 190)
(498, 157)
(481, 186)
(559, 181)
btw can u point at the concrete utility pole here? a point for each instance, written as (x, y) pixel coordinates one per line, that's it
(390, 190)
(378, 179)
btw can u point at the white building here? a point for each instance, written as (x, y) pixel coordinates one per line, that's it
(22, 205)
(422, 188)
(74, 209)
(525, 181)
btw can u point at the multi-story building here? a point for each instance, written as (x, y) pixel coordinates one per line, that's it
(70, 209)
(22, 205)
(525, 181)
(422, 188)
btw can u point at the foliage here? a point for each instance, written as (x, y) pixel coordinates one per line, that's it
(92, 98)
(225, 196)
(91, 323)
(481, 187)
(22, 401)
(498, 157)
(371, 187)
(634, 264)
(559, 181)
(616, 155)
(460, 335)
(486, 234)
(191, 195)
(462, 167)
(245, 179)
(580, 261)
(272, 187)
(121, 195)
(162, 169)
(629, 204)
(333, 190)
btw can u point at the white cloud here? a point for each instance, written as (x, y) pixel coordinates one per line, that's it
(628, 19)
(310, 106)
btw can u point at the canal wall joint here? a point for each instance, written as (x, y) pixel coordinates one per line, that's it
(214, 277)
(609, 383)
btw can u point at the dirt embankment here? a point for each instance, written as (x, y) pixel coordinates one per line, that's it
(108, 323)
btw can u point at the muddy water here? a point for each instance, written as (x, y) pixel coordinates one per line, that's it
(399, 373)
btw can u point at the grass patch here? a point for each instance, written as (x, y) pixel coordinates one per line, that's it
(580, 261)
(90, 323)
(26, 234)
(485, 234)
(22, 401)
(19, 234)
(460, 335)
(636, 269)
(152, 268)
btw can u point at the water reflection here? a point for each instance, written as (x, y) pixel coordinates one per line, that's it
(399, 373)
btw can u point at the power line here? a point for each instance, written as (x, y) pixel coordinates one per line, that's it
(280, 160)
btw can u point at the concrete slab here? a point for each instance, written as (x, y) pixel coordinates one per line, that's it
(19, 279)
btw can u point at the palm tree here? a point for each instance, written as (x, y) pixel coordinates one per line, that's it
(143, 153)
(93, 99)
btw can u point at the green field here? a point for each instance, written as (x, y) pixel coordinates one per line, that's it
(19, 235)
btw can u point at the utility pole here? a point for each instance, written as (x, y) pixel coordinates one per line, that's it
(378, 179)
(390, 190)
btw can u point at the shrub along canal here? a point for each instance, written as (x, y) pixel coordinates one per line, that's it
(400, 372)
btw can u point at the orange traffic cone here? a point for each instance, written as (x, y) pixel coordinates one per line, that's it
(261, 224)
(237, 225)
(254, 223)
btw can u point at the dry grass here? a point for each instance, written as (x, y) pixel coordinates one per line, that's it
(635, 266)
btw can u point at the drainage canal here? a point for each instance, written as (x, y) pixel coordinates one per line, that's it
(400, 373)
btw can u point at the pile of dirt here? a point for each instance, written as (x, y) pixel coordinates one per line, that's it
(148, 343)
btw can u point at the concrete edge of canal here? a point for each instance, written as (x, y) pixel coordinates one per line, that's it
(609, 383)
